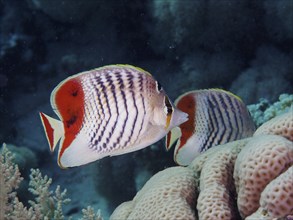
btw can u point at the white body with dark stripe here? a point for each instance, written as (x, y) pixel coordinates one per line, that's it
(124, 109)
(215, 117)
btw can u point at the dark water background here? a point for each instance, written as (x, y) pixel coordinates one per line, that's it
(244, 46)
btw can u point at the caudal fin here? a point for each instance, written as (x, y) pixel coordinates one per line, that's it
(53, 129)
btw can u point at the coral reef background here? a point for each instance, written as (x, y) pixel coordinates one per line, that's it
(244, 46)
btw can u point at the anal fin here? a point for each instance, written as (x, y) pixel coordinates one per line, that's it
(172, 137)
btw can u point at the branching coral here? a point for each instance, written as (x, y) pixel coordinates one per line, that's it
(9, 181)
(263, 111)
(46, 205)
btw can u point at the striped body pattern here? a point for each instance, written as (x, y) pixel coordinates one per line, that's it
(220, 120)
(108, 111)
(112, 99)
(215, 117)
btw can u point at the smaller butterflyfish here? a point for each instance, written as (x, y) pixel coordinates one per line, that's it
(215, 117)
(108, 111)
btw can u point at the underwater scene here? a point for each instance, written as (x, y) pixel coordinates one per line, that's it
(157, 109)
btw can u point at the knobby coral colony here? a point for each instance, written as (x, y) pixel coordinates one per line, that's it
(257, 171)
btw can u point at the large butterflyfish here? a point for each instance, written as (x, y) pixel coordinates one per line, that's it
(108, 111)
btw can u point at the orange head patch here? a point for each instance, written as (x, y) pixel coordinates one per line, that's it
(187, 104)
(69, 101)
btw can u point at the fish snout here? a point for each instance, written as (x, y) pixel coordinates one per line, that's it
(179, 118)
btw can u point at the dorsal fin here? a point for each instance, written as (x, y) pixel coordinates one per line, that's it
(53, 130)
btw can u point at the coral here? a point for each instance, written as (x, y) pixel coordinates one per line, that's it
(123, 210)
(263, 158)
(46, 204)
(89, 214)
(62, 37)
(281, 125)
(198, 163)
(9, 181)
(263, 111)
(24, 157)
(259, 215)
(169, 194)
(277, 197)
(249, 178)
(217, 191)
(276, 201)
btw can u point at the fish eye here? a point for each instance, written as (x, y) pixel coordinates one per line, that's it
(158, 86)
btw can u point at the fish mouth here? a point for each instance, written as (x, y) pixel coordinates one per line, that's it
(179, 118)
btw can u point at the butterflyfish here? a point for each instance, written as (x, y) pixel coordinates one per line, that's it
(215, 117)
(108, 111)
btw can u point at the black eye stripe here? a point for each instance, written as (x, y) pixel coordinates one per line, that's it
(168, 105)
(159, 87)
